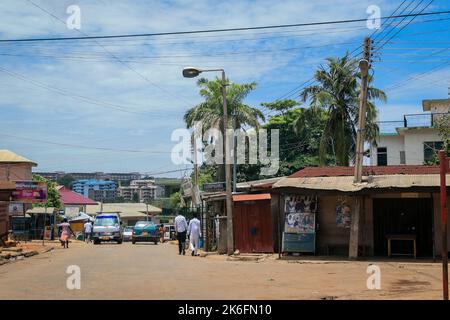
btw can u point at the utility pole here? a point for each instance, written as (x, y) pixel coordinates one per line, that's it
(364, 65)
(229, 208)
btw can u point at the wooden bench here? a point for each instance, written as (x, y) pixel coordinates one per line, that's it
(401, 237)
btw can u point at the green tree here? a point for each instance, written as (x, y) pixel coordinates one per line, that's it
(53, 198)
(66, 181)
(337, 92)
(210, 111)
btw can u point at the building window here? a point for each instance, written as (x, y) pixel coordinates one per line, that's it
(430, 149)
(382, 156)
(402, 157)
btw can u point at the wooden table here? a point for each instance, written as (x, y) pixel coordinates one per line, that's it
(401, 237)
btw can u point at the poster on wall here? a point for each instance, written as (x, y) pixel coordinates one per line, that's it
(300, 223)
(343, 214)
(30, 192)
(16, 209)
(300, 214)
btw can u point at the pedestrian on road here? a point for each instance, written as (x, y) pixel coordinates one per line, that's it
(181, 228)
(87, 228)
(66, 232)
(194, 232)
(162, 230)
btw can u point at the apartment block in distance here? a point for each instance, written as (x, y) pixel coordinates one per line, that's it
(141, 190)
(98, 190)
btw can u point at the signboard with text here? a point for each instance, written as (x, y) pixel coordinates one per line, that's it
(30, 192)
(16, 209)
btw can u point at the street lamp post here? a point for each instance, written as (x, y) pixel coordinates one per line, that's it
(191, 72)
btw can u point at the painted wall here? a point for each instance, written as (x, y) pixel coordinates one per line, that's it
(414, 142)
(394, 144)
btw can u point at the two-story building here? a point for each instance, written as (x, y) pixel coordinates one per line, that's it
(412, 141)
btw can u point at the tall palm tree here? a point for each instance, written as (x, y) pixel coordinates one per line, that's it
(210, 111)
(337, 92)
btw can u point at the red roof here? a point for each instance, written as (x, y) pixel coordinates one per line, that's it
(69, 197)
(249, 197)
(309, 172)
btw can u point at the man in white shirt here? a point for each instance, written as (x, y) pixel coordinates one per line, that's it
(194, 232)
(87, 228)
(181, 228)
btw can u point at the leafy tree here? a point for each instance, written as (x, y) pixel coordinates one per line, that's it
(176, 201)
(337, 92)
(53, 198)
(66, 181)
(281, 106)
(210, 111)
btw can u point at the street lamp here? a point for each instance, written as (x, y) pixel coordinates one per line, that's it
(192, 72)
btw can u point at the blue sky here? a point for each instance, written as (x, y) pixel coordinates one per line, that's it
(37, 103)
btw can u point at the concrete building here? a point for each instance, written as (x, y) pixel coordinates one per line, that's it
(130, 213)
(114, 176)
(97, 190)
(413, 141)
(140, 190)
(12, 168)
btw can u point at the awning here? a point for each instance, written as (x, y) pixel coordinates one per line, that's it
(250, 197)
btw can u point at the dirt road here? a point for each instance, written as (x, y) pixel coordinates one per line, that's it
(147, 271)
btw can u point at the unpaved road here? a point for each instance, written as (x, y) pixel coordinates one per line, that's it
(146, 271)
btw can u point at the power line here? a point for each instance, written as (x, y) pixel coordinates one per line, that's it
(332, 22)
(402, 28)
(69, 94)
(82, 146)
(112, 54)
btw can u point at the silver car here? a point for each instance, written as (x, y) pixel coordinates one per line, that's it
(107, 228)
(127, 233)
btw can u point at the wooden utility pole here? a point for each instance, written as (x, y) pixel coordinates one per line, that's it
(228, 200)
(359, 155)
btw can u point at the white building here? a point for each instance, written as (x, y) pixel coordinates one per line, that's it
(413, 141)
(141, 190)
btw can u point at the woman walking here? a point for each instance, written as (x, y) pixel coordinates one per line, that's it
(65, 234)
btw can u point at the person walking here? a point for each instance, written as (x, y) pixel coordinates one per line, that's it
(161, 230)
(181, 228)
(194, 232)
(65, 234)
(87, 228)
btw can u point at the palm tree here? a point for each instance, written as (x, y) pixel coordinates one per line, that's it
(210, 111)
(337, 92)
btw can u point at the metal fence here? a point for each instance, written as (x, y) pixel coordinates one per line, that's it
(419, 120)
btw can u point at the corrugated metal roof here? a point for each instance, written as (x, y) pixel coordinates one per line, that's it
(7, 156)
(345, 183)
(367, 171)
(124, 209)
(262, 184)
(69, 197)
(250, 197)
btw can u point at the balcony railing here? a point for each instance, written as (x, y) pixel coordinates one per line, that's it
(420, 120)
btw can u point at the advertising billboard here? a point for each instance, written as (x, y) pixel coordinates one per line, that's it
(30, 192)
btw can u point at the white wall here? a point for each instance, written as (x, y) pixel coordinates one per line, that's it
(394, 144)
(414, 142)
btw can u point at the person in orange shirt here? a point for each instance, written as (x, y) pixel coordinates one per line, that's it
(162, 230)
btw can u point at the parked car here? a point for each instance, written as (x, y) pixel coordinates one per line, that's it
(145, 231)
(169, 233)
(127, 233)
(107, 228)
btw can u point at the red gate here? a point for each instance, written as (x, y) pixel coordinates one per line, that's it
(252, 223)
